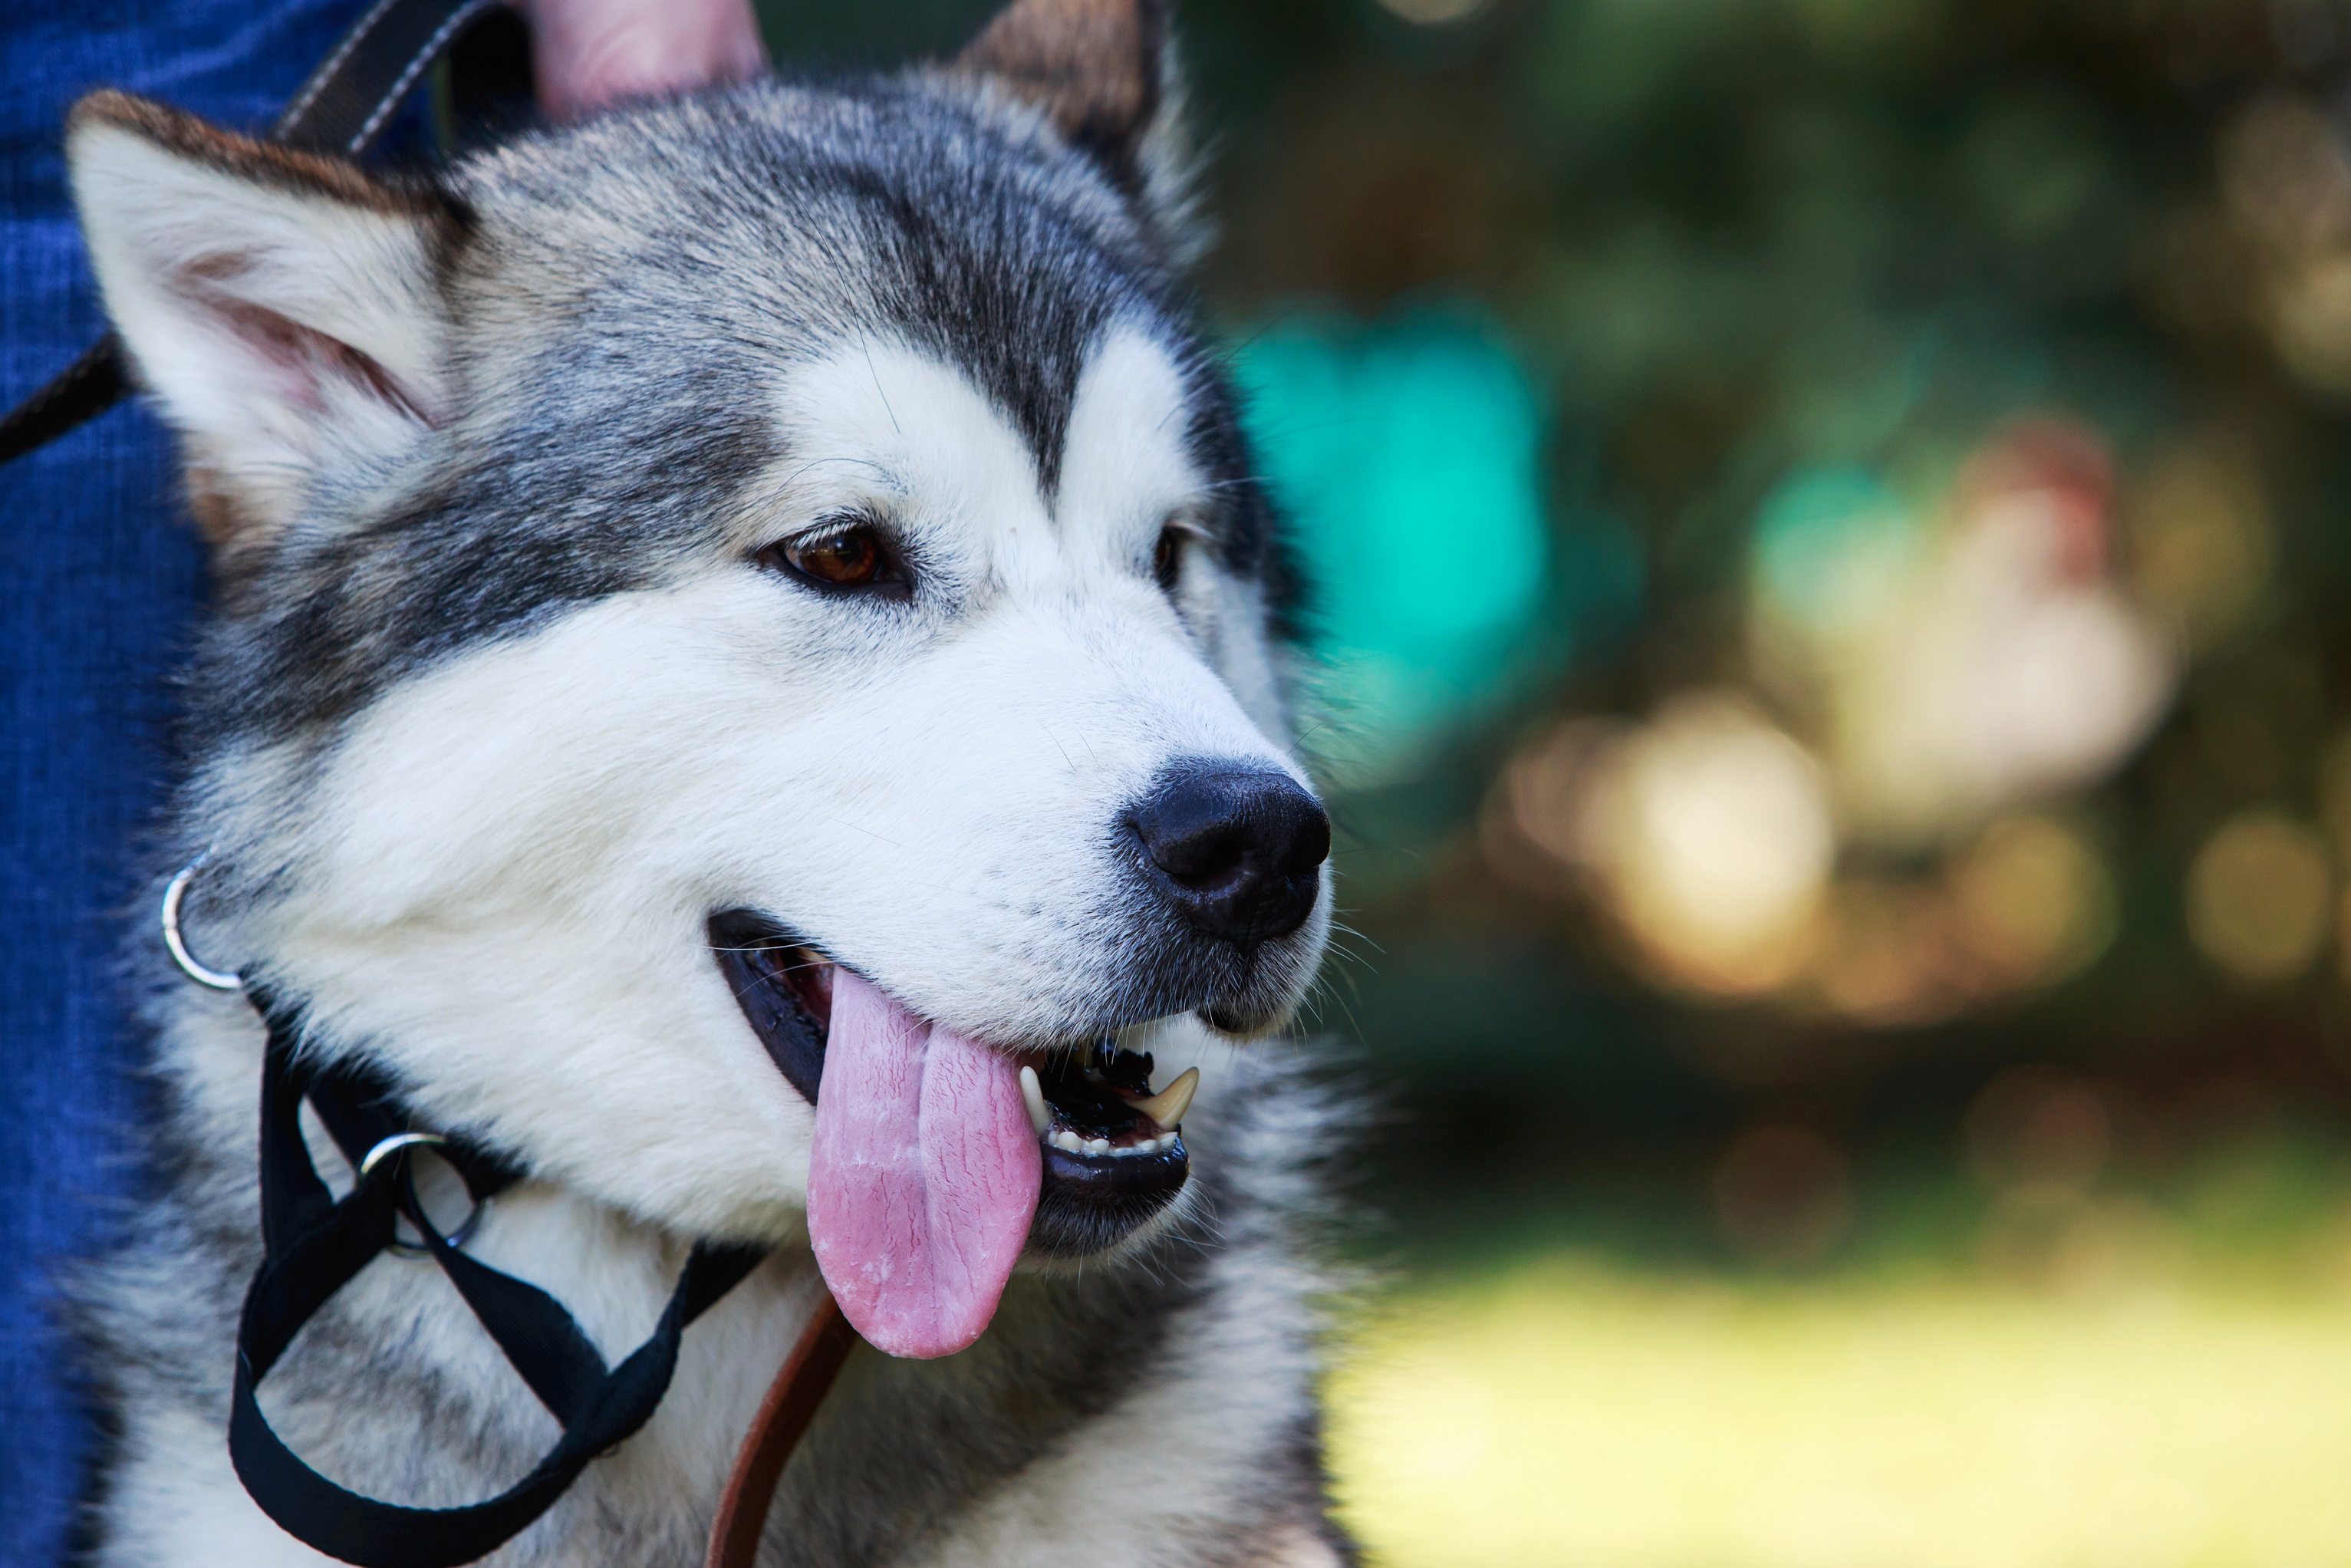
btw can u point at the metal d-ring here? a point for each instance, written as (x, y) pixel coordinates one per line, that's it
(175, 892)
(387, 1147)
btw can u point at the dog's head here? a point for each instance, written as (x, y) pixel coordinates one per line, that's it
(746, 595)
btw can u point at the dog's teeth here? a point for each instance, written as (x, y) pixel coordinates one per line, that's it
(1039, 1116)
(1167, 1107)
(1066, 1139)
(1097, 1145)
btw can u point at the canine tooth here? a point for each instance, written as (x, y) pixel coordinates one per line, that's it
(1033, 1094)
(1167, 1107)
(1097, 1145)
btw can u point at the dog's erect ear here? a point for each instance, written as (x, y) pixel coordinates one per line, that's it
(1104, 73)
(283, 307)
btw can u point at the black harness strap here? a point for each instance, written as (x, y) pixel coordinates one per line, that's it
(343, 107)
(314, 1245)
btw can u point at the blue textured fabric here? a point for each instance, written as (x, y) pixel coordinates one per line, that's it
(101, 578)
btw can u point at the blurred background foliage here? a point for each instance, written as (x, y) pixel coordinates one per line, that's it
(1829, 518)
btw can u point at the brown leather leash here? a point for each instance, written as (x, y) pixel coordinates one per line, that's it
(784, 1415)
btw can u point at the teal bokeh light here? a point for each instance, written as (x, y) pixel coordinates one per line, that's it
(1829, 542)
(1407, 454)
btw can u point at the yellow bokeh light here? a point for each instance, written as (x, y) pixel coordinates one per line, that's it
(2201, 539)
(2033, 899)
(1544, 788)
(1710, 835)
(2258, 896)
(2311, 319)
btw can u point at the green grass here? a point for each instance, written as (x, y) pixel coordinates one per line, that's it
(2157, 1380)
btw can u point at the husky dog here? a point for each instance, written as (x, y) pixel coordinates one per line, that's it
(750, 592)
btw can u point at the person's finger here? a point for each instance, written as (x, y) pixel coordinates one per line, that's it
(588, 54)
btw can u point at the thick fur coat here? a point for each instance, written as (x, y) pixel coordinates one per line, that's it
(509, 691)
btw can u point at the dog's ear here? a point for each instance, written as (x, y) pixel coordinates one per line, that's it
(1103, 71)
(283, 307)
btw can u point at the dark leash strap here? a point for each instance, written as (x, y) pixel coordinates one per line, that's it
(314, 1244)
(342, 108)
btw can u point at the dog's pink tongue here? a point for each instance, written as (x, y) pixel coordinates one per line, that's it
(924, 1177)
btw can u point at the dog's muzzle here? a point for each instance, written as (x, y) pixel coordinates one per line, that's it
(1113, 1150)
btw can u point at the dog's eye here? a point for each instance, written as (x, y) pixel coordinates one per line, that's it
(1168, 556)
(852, 556)
(847, 559)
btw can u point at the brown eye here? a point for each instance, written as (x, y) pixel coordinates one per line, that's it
(1167, 556)
(854, 556)
(847, 559)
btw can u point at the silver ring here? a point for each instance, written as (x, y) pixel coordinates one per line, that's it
(175, 892)
(387, 1147)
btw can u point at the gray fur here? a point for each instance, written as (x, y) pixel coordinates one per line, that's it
(898, 1449)
(697, 246)
(621, 295)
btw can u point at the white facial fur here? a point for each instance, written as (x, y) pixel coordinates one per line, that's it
(503, 881)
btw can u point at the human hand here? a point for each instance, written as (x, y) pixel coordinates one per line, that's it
(587, 53)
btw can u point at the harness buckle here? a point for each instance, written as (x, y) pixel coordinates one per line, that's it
(399, 1142)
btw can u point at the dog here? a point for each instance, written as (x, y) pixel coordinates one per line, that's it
(754, 593)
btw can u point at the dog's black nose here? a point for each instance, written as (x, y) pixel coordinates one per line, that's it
(1234, 849)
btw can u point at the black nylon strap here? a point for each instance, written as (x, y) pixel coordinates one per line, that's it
(343, 107)
(314, 1245)
(80, 392)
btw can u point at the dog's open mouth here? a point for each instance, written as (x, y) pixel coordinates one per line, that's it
(929, 1146)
